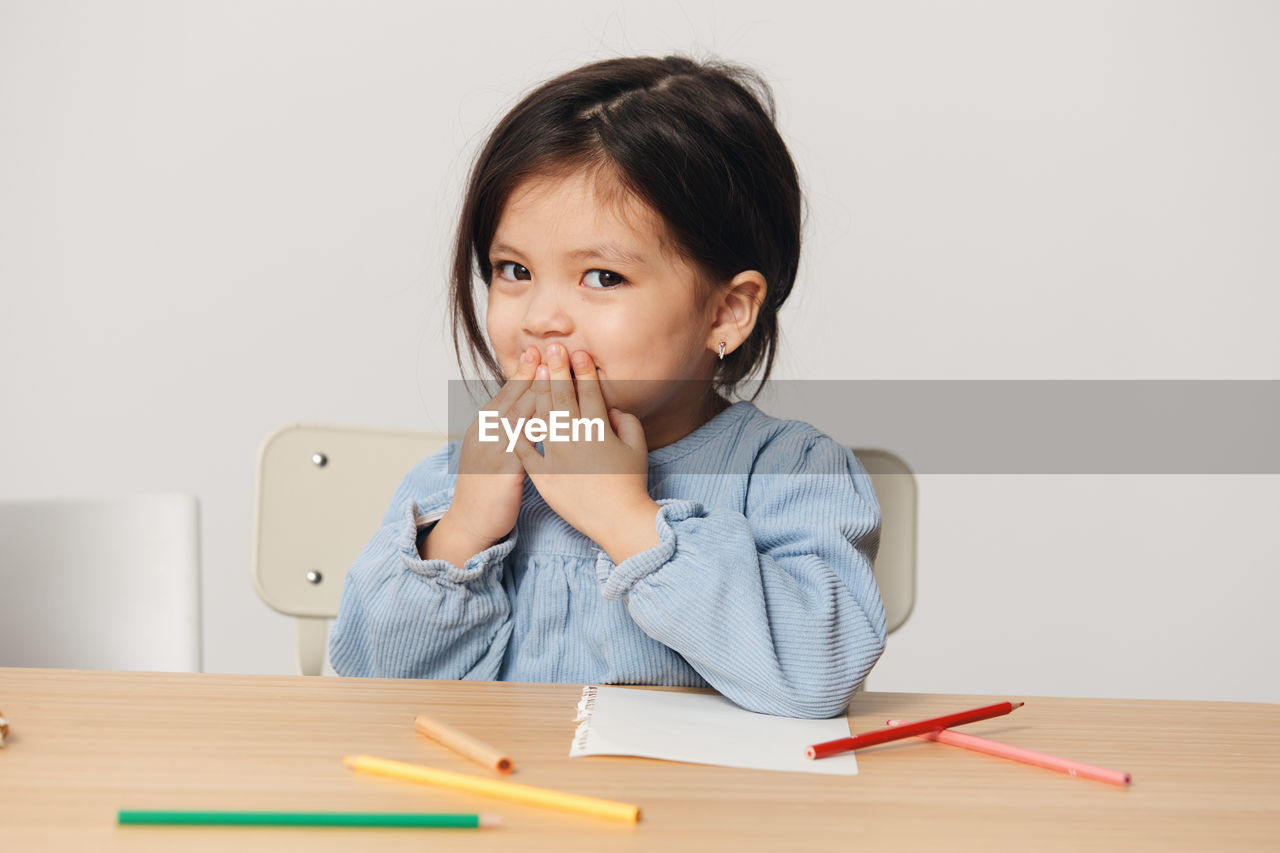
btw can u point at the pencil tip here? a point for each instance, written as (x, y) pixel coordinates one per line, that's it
(489, 821)
(1018, 704)
(349, 760)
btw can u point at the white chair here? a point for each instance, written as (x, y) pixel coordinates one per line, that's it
(895, 566)
(101, 584)
(322, 491)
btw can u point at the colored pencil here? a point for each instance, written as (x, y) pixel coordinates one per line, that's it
(1026, 756)
(151, 817)
(845, 744)
(463, 743)
(493, 787)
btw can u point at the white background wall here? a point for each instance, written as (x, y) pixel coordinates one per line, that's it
(217, 218)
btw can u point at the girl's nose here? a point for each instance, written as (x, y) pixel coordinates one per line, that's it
(545, 313)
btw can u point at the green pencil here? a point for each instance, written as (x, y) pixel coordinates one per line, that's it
(239, 818)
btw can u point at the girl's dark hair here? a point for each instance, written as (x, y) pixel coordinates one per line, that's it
(691, 141)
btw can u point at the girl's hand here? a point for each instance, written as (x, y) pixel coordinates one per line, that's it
(486, 500)
(599, 487)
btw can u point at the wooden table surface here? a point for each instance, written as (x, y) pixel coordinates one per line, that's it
(1206, 775)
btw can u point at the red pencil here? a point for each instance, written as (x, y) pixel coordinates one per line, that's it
(844, 744)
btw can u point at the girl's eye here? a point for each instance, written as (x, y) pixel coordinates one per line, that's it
(608, 280)
(519, 270)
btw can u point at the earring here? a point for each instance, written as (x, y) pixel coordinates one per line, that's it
(722, 343)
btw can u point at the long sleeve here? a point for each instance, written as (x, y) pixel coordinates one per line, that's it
(402, 616)
(776, 608)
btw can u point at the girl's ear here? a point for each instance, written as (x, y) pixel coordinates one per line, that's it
(737, 307)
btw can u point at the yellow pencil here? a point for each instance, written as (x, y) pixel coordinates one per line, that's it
(494, 787)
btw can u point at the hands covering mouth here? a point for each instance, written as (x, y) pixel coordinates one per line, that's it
(542, 356)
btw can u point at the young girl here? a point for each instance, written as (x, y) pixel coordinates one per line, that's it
(636, 223)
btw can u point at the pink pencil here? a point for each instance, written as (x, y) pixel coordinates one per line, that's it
(1026, 756)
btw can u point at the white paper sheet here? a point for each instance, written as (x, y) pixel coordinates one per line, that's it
(702, 728)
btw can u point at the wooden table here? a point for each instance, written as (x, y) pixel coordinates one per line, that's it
(84, 744)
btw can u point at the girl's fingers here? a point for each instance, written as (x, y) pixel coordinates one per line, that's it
(542, 393)
(528, 454)
(519, 381)
(519, 407)
(524, 448)
(590, 399)
(518, 414)
(524, 406)
(563, 398)
(629, 429)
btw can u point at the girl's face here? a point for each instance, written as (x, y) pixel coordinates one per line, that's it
(573, 269)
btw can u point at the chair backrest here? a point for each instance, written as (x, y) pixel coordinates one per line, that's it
(322, 491)
(101, 584)
(895, 567)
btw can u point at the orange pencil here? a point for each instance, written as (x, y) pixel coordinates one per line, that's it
(1026, 756)
(463, 743)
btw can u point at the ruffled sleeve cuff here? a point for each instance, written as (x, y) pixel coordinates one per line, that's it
(419, 518)
(617, 580)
